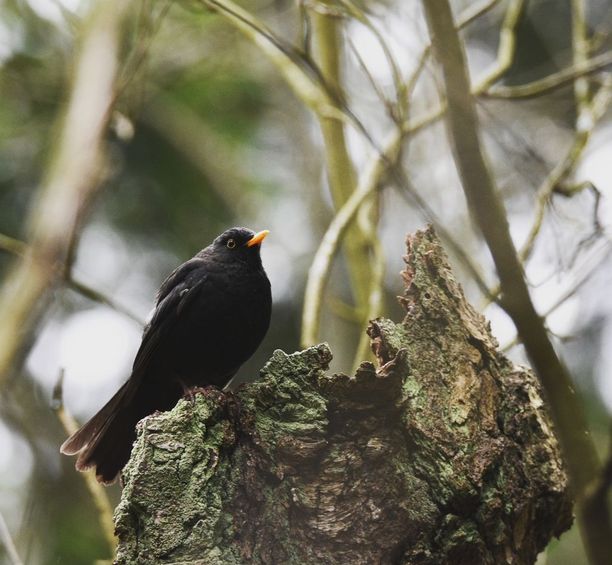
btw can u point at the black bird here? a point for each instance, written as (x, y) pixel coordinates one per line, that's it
(210, 316)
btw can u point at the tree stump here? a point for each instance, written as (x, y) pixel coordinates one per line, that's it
(443, 454)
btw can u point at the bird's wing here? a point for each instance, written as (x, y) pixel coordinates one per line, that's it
(176, 292)
(178, 276)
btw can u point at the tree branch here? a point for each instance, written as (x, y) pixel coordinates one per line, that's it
(300, 76)
(507, 46)
(327, 30)
(505, 56)
(552, 82)
(17, 247)
(487, 210)
(589, 114)
(8, 543)
(318, 273)
(71, 181)
(96, 490)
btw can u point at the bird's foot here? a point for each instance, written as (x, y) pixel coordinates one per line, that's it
(189, 393)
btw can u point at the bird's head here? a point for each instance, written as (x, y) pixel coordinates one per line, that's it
(239, 244)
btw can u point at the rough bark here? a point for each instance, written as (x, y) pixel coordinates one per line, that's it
(442, 454)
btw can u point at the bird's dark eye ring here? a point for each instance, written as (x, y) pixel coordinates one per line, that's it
(231, 243)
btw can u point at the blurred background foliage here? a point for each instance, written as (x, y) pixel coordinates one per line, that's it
(206, 135)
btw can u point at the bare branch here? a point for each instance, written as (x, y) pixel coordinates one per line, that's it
(505, 56)
(566, 166)
(327, 32)
(586, 274)
(96, 490)
(581, 50)
(9, 544)
(300, 76)
(17, 247)
(400, 90)
(551, 82)
(137, 57)
(474, 11)
(318, 273)
(553, 183)
(101, 298)
(12, 245)
(72, 179)
(507, 46)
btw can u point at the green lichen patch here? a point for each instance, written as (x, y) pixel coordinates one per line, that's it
(172, 483)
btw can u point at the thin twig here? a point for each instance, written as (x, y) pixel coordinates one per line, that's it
(566, 166)
(389, 107)
(551, 82)
(101, 298)
(12, 245)
(9, 544)
(505, 56)
(507, 46)
(586, 274)
(400, 97)
(17, 247)
(298, 72)
(562, 170)
(96, 490)
(138, 55)
(474, 11)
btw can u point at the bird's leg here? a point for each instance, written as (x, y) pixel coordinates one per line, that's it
(189, 392)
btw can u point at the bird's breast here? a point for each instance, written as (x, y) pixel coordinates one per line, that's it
(223, 326)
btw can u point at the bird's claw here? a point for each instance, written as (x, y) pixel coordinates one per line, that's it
(189, 393)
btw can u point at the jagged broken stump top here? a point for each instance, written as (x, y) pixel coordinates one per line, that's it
(442, 454)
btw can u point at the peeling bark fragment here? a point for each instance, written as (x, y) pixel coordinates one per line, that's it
(444, 454)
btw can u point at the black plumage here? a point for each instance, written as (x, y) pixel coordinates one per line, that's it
(210, 316)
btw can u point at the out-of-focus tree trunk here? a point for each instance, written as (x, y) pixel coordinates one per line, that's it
(442, 454)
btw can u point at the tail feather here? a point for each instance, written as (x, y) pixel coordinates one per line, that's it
(105, 442)
(111, 449)
(90, 431)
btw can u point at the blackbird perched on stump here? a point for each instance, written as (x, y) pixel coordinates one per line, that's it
(211, 314)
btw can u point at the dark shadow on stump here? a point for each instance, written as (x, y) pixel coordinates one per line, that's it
(443, 454)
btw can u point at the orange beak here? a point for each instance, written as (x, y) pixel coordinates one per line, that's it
(257, 238)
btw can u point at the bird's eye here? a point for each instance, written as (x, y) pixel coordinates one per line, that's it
(231, 243)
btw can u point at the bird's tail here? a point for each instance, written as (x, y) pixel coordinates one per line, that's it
(105, 441)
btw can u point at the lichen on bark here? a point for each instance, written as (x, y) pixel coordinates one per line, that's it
(444, 453)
